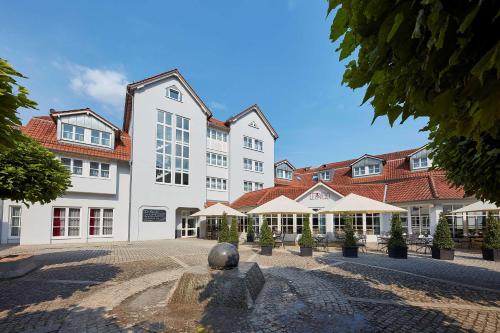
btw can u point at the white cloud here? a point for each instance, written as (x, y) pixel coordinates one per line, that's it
(217, 106)
(102, 85)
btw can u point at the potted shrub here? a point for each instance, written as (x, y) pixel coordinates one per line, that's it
(266, 240)
(491, 243)
(396, 246)
(223, 230)
(442, 244)
(349, 247)
(250, 231)
(234, 237)
(306, 241)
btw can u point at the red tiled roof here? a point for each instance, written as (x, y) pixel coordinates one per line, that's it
(209, 203)
(218, 123)
(257, 198)
(43, 129)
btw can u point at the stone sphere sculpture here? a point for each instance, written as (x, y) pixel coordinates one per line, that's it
(223, 256)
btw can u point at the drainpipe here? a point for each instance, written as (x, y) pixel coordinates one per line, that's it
(131, 125)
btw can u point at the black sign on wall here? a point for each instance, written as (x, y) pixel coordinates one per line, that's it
(154, 215)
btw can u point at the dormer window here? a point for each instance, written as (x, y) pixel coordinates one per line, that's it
(420, 159)
(73, 133)
(366, 170)
(174, 94)
(325, 175)
(283, 174)
(100, 138)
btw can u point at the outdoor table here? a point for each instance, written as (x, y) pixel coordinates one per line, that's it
(423, 243)
(320, 239)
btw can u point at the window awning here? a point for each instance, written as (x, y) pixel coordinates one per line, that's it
(218, 210)
(479, 206)
(353, 203)
(281, 204)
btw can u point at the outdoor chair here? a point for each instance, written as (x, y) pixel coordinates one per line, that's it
(361, 242)
(381, 243)
(289, 238)
(321, 241)
(278, 239)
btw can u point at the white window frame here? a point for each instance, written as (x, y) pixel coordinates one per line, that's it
(100, 138)
(161, 145)
(419, 164)
(71, 167)
(216, 184)
(100, 170)
(252, 143)
(101, 222)
(183, 145)
(364, 170)
(169, 95)
(214, 134)
(325, 175)
(73, 133)
(247, 183)
(258, 166)
(66, 222)
(283, 174)
(10, 221)
(211, 157)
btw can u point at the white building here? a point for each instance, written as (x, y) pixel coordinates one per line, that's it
(141, 182)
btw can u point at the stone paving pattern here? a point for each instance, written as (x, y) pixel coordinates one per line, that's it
(80, 288)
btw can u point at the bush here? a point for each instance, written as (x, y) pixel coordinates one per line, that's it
(266, 236)
(442, 236)
(233, 234)
(492, 234)
(223, 230)
(396, 238)
(349, 240)
(306, 240)
(250, 229)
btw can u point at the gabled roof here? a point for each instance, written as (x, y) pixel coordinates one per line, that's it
(417, 151)
(254, 108)
(43, 129)
(285, 161)
(174, 73)
(218, 123)
(319, 184)
(87, 111)
(363, 157)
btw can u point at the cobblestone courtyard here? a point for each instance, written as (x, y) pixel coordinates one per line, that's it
(124, 287)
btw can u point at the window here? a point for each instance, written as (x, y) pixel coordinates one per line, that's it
(252, 165)
(371, 169)
(15, 221)
(101, 222)
(259, 166)
(214, 183)
(373, 224)
(74, 166)
(99, 169)
(287, 223)
(164, 147)
(216, 159)
(181, 151)
(247, 186)
(455, 221)
(66, 222)
(325, 175)
(319, 223)
(259, 186)
(420, 220)
(216, 135)
(100, 138)
(420, 162)
(283, 174)
(174, 94)
(272, 222)
(247, 164)
(300, 222)
(73, 133)
(357, 222)
(252, 143)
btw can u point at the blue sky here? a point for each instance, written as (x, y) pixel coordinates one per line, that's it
(234, 54)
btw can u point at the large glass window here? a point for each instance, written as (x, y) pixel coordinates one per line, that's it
(300, 222)
(420, 162)
(420, 220)
(73, 165)
(214, 183)
(216, 159)
(319, 223)
(99, 169)
(164, 147)
(455, 221)
(283, 174)
(15, 221)
(272, 221)
(371, 169)
(357, 222)
(73, 133)
(373, 224)
(182, 151)
(66, 222)
(101, 222)
(100, 138)
(242, 223)
(216, 135)
(476, 222)
(287, 223)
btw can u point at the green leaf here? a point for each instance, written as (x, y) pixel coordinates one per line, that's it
(339, 25)
(347, 46)
(487, 62)
(469, 18)
(332, 4)
(395, 26)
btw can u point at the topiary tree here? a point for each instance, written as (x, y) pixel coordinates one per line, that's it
(250, 229)
(349, 240)
(396, 239)
(233, 233)
(442, 237)
(266, 235)
(492, 234)
(223, 230)
(31, 174)
(306, 240)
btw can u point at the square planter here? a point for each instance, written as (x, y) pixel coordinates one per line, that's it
(266, 250)
(398, 252)
(306, 251)
(250, 238)
(350, 251)
(442, 254)
(491, 254)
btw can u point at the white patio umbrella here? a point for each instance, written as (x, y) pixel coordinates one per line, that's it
(479, 206)
(281, 204)
(218, 210)
(353, 203)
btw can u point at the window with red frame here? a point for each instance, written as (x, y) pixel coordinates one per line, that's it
(101, 222)
(66, 222)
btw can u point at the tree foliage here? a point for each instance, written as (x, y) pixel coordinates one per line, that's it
(396, 239)
(30, 173)
(306, 239)
(250, 228)
(436, 59)
(12, 97)
(266, 235)
(492, 233)
(442, 237)
(224, 230)
(349, 240)
(233, 233)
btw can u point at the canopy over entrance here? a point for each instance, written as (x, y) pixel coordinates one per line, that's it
(281, 204)
(353, 203)
(218, 210)
(479, 206)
